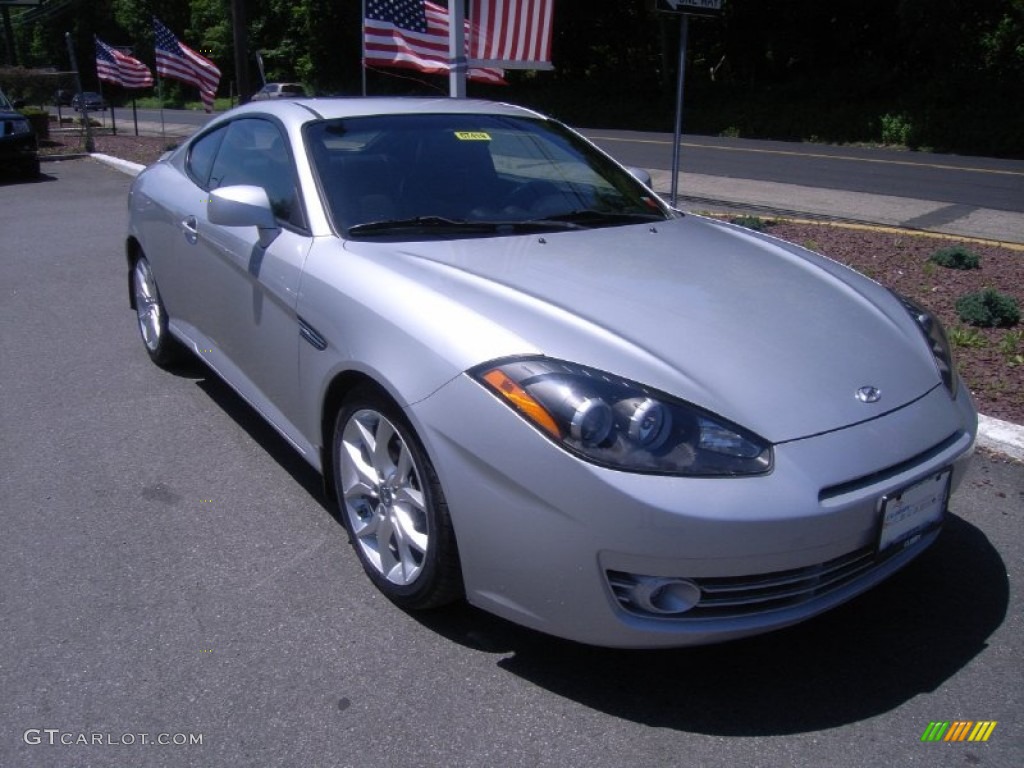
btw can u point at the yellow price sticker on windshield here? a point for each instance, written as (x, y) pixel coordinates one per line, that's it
(472, 136)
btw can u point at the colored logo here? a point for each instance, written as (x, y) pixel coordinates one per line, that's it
(959, 730)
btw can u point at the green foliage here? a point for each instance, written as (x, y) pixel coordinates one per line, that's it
(966, 337)
(897, 129)
(1011, 346)
(947, 74)
(755, 223)
(988, 308)
(955, 257)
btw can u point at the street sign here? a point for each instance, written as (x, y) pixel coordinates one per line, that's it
(683, 9)
(699, 7)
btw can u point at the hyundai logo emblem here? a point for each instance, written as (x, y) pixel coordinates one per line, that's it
(869, 394)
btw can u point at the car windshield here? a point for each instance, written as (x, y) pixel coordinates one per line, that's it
(425, 175)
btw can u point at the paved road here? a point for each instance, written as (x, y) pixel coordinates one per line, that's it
(976, 182)
(967, 196)
(167, 566)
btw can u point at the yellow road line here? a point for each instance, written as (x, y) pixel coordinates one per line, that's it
(817, 155)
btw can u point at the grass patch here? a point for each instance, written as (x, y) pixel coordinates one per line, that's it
(755, 223)
(968, 338)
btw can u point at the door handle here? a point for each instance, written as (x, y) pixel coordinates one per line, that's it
(190, 225)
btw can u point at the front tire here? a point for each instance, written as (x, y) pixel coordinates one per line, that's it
(392, 504)
(163, 349)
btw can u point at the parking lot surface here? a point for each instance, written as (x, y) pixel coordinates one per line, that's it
(174, 590)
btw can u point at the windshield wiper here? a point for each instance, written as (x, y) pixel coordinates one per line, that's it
(420, 223)
(441, 224)
(591, 217)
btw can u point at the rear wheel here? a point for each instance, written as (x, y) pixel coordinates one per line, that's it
(163, 348)
(392, 504)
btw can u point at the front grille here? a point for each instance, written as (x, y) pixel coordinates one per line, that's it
(888, 473)
(750, 595)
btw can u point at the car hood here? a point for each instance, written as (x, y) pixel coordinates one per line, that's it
(768, 335)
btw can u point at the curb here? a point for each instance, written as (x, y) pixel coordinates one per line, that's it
(61, 158)
(1002, 437)
(125, 166)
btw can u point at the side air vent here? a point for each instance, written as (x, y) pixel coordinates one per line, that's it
(310, 334)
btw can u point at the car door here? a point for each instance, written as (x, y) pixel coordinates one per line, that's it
(245, 300)
(170, 231)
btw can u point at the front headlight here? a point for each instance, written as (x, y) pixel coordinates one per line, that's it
(620, 424)
(937, 340)
(18, 127)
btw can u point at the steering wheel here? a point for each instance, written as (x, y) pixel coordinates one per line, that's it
(529, 194)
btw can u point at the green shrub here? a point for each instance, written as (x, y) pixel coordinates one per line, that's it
(897, 129)
(755, 223)
(988, 308)
(956, 257)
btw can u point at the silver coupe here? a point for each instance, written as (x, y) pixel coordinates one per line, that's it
(530, 383)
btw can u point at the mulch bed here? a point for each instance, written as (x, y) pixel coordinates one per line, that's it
(138, 149)
(994, 368)
(990, 360)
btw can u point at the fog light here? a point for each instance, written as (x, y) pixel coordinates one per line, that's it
(665, 596)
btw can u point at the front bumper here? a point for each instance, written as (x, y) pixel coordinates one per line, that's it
(18, 151)
(546, 538)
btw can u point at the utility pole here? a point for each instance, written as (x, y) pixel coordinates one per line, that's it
(240, 37)
(89, 145)
(12, 54)
(11, 51)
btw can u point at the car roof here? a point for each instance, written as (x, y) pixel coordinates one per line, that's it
(304, 110)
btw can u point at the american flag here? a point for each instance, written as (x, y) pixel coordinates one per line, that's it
(176, 60)
(413, 33)
(512, 33)
(120, 68)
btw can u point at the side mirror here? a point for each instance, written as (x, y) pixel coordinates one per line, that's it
(244, 205)
(640, 175)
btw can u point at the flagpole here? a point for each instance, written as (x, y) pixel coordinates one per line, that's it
(364, 47)
(113, 120)
(456, 49)
(99, 86)
(160, 96)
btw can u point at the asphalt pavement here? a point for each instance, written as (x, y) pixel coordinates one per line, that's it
(169, 572)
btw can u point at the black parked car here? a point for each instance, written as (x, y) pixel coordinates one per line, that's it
(90, 100)
(19, 152)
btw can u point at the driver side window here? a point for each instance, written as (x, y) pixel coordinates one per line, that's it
(253, 151)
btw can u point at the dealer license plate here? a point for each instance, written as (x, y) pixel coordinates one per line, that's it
(907, 514)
